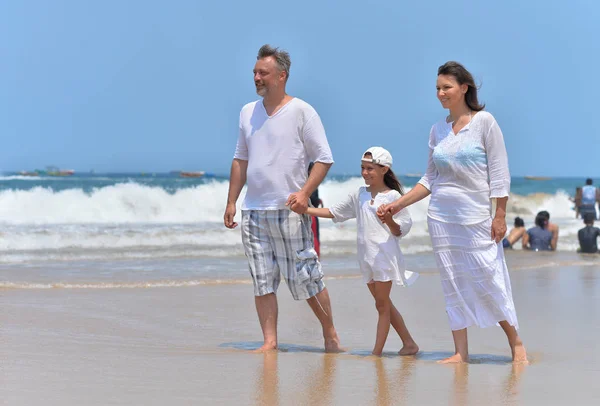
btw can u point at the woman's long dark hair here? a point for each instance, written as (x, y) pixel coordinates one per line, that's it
(463, 77)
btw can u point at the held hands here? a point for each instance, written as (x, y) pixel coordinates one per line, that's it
(298, 202)
(498, 228)
(389, 209)
(229, 215)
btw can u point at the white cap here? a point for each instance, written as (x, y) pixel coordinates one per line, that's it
(380, 156)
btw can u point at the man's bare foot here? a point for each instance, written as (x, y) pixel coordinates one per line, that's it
(376, 353)
(455, 359)
(332, 345)
(519, 354)
(409, 349)
(271, 346)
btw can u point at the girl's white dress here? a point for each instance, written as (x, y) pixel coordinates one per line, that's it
(464, 173)
(379, 255)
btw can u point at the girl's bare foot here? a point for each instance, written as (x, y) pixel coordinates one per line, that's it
(409, 349)
(455, 359)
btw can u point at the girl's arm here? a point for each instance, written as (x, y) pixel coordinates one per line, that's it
(322, 212)
(393, 226)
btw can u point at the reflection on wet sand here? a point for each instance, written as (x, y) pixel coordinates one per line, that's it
(319, 388)
(267, 385)
(460, 384)
(511, 386)
(395, 390)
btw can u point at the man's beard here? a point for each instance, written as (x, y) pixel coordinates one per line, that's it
(261, 91)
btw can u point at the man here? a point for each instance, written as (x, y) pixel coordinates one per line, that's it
(279, 136)
(587, 198)
(588, 236)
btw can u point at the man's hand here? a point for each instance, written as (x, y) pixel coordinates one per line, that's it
(229, 215)
(498, 228)
(298, 202)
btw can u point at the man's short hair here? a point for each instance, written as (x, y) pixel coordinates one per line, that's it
(588, 218)
(589, 181)
(282, 58)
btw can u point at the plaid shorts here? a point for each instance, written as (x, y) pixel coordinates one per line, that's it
(280, 242)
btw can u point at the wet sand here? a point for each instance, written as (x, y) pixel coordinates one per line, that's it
(191, 345)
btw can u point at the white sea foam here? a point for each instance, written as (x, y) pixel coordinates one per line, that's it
(129, 217)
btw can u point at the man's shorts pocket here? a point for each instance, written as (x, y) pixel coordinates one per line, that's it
(308, 267)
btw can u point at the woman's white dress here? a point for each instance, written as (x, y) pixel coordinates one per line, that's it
(465, 171)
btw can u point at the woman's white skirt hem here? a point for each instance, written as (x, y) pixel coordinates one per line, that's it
(473, 273)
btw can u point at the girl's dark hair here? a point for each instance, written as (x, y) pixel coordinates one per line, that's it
(463, 77)
(541, 220)
(389, 178)
(519, 222)
(392, 181)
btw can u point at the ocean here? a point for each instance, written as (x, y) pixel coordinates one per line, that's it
(124, 229)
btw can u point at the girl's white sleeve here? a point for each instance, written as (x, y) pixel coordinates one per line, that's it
(346, 209)
(432, 173)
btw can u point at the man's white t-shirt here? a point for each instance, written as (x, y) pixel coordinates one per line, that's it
(278, 149)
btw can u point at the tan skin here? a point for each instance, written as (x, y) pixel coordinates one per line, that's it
(388, 314)
(270, 84)
(451, 95)
(516, 234)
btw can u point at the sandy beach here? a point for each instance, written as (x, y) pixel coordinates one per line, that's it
(192, 345)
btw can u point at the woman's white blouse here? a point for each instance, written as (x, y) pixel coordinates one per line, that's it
(465, 171)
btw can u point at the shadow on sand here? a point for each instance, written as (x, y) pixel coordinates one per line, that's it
(485, 359)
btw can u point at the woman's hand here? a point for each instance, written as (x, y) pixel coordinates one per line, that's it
(498, 228)
(388, 209)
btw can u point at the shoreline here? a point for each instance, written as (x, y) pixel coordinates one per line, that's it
(182, 346)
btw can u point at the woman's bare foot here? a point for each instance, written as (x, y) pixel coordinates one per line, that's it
(409, 349)
(519, 354)
(268, 346)
(455, 359)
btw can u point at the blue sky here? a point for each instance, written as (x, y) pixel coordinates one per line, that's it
(157, 85)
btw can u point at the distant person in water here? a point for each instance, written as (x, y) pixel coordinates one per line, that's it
(576, 200)
(315, 202)
(587, 197)
(539, 238)
(515, 234)
(553, 229)
(588, 235)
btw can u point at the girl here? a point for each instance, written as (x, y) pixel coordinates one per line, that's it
(379, 256)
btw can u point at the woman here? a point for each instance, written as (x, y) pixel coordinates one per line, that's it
(540, 237)
(467, 168)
